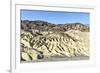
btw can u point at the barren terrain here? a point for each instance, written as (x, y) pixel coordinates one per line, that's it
(54, 44)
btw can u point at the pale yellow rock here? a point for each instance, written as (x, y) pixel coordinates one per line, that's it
(25, 56)
(71, 43)
(33, 54)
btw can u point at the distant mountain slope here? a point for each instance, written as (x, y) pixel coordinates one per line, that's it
(43, 25)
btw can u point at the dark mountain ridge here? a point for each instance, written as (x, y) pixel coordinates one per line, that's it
(46, 26)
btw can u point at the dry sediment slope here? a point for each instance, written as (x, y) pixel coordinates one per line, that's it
(43, 45)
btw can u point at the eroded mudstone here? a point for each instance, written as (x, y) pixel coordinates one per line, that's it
(25, 56)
